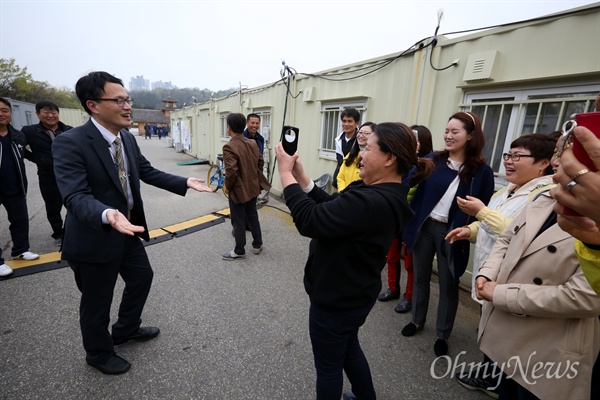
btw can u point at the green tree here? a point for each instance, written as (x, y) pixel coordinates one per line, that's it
(10, 76)
(18, 84)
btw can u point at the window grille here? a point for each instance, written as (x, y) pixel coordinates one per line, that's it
(507, 115)
(331, 125)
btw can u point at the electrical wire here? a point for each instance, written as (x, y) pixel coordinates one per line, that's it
(555, 16)
(288, 93)
(433, 43)
(383, 63)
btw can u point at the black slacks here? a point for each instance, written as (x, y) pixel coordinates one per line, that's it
(53, 202)
(97, 283)
(242, 214)
(18, 218)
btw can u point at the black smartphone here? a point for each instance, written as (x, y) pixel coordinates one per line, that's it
(289, 139)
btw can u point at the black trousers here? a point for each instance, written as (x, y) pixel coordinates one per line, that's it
(53, 202)
(335, 345)
(18, 218)
(97, 283)
(242, 214)
(510, 389)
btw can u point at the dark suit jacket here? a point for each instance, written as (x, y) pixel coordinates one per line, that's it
(243, 169)
(18, 150)
(89, 184)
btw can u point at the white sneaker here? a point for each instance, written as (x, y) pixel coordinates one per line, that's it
(27, 256)
(257, 250)
(232, 255)
(5, 270)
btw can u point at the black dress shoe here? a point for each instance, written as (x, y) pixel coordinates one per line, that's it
(404, 306)
(411, 329)
(440, 347)
(348, 396)
(115, 365)
(388, 295)
(143, 334)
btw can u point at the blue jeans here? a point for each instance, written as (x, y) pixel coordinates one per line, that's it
(334, 338)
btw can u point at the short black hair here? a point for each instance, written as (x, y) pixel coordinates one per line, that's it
(252, 115)
(91, 87)
(237, 122)
(350, 112)
(5, 101)
(540, 145)
(46, 104)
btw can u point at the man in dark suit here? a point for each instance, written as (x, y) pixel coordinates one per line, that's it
(98, 168)
(243, 181)
(39, 140)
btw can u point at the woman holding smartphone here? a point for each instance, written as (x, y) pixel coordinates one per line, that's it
(460, 171)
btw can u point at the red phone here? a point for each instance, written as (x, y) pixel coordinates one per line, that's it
(591, 121)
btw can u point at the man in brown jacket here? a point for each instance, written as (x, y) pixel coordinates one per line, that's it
(243, 181)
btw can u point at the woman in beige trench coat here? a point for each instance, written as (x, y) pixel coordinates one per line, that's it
(540, 323)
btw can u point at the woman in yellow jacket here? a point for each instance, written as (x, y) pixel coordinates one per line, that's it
(349, 171)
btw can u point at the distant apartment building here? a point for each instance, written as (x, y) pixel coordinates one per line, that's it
(139, 83)
(162, 85)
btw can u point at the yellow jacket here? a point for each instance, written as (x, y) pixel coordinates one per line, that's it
(589, 261)
(347, 175)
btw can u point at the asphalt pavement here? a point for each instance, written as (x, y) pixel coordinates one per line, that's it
(229, 329)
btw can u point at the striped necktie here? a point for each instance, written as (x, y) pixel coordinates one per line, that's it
(120, 164)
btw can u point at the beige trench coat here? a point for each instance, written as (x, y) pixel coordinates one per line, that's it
(542, 324)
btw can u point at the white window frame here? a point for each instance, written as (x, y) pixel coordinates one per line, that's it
(264, 129)
(331, 128)
(518, 110)
(223, 135)
(265, 122)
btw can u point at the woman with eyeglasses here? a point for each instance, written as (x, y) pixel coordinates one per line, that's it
(350, 170)
(529, 172)
(539, 322)
(460, 171)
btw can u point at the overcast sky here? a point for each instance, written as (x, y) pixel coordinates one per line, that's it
(222, 44)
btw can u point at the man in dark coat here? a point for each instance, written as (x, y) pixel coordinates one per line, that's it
(39, 139)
